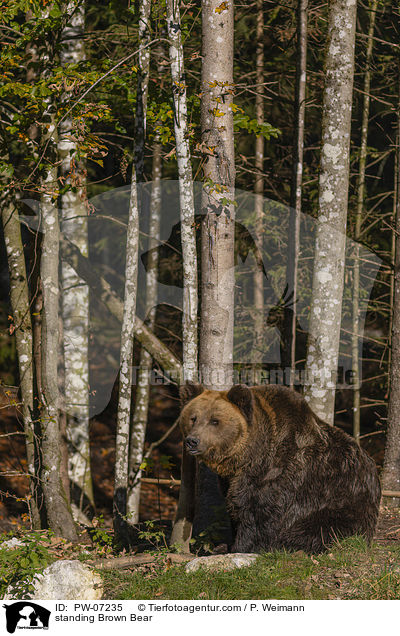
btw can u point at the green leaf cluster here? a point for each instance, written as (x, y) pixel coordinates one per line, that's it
(19, 566)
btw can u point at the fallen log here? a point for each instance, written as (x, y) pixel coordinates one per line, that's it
(391, 493)
(162, 482)
(119, 563)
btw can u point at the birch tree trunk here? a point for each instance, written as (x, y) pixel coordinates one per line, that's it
(139, 420)
(391, 465)
(182, 529)
(138, 432)
(22, 328)
(290, 312)
(122, 452)
(218, 226)
(75, 292)
(186, 197)
(327, 290)
(58, 512)
(142, 87)
(125, 370)
(358, 223)
(259, 325)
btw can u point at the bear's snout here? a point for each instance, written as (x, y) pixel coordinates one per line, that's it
(192, 444)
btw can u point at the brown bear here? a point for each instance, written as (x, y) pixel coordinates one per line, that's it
(293, 481)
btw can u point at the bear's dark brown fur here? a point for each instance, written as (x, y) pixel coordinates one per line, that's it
(294, 482)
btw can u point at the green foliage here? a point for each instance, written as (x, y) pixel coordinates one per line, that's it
(19, 566)
(241, 121)
(155, 535)
(100, 536)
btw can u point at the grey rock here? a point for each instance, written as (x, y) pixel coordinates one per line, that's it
(221, 562)
(63, 580)
(11, 544)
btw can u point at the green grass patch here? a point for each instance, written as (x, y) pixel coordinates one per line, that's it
(350, 570)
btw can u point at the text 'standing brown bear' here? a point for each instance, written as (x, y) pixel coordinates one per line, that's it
(294, 482)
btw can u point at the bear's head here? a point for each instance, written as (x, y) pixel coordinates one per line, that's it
(215, 424)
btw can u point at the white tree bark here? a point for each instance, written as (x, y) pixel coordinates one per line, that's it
(218, 226)
(133, 439)
(142, 87)
(138, 431)
(186, 197)
(125, 370)
(75, 292)
(182, 530)
(58, 512)
(22, 328)
(326, 304)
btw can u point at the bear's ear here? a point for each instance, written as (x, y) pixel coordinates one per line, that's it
(189, 391)
(242, 397)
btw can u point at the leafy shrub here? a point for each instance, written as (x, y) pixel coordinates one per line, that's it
(20, 565)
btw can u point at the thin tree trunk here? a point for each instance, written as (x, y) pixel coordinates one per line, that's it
(181, 533)
(58, 512)
(122, 452)
(75, 292)
(218, 226)
(186, 197)
(22, 328)
(290, 312)
(391, 466)
(139, 421)
(125, 370)
(327, 290)
(138, 431)
(259, 326)
(142, 87)
(358, 224)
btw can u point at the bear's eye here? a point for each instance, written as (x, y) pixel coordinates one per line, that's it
(214, 422)
(193, 418)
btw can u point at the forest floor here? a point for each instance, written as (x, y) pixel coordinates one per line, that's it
(349, 570)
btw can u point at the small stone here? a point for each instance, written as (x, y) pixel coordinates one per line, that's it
(11, 544)
(221, 562)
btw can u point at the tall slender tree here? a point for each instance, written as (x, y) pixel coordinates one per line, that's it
(75, 292)
(186, 196)
(124, 433)
(259, 185)
(391, 466)
(182, 527)
(360, 188)
(290, 312)
(327, 289)
(125, 370)
(140, 415)
(22, 328)
(57, 508)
